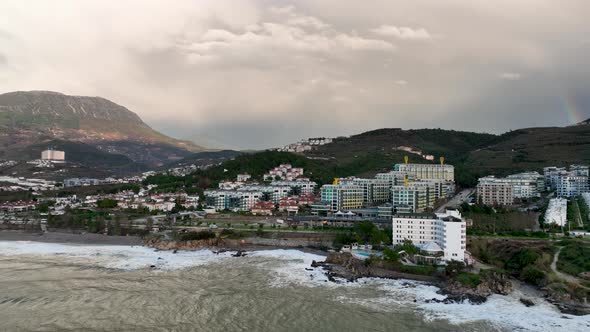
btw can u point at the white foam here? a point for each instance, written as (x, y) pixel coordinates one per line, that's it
(114, 257)
(290, 267)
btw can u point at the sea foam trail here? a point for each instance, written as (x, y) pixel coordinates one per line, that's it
(115, 257)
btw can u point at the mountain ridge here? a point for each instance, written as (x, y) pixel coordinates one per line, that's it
(29, 118)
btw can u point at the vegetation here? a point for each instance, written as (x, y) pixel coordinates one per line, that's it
(468, 279)
(192, 236)
(500, 221)
(527, 260)
(364, 232)
(574, 258)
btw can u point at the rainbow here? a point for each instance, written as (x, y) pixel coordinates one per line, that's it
(573, 113)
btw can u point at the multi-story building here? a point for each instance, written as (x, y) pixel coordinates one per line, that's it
(571, 184)
(409, 198)
(283, 172)
(567, 183)
(305, 185)
(492, 191)
(271, 193)
(556, 212)
(393, 177)
(375, 191)
(502, 191)
(53, 155)
(427, 171)
(342, 196)
(243, 177)
(443, 232)
(232, 200)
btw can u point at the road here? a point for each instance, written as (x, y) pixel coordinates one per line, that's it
(457, 200)
(564, 276)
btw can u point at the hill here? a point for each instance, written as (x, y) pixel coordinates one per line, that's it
(33, 118)
(472, 154)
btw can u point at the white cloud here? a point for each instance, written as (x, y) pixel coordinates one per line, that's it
(402, 32)
(510, 76)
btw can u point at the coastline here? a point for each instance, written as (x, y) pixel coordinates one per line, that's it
(70, 238)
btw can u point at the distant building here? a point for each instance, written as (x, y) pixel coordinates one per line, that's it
(243, 177)
(53, 155)
(375, 191)
(427, 171)
(567, 183)
(342, 196)
(263, 208)
(495, 192)
(440, 233)
(283, 172)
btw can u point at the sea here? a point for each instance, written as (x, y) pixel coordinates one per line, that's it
(65, 287)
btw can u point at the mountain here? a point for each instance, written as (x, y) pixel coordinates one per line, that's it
(39, 118)
(473, 154)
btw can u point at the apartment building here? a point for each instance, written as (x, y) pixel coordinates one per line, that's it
(427, 171)
(232, 200)
(305, 185)
(271, 193)
(342, 196)
(495, 192)
(409, 198)
(283, 172)
(375, 191)
(440, 233)
(567, 183)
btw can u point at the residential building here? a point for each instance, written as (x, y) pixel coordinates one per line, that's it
(410, 198)
(271, 193)
(444, 233)
(556, 212)
(263, 208)
(53, 155)
(232, 200)
(490, 191)
(567, 183)
(305, 186)
(342, 196)
(427, 171)
(243, 177)
(283, 172)
(375, 191)
(571, 184)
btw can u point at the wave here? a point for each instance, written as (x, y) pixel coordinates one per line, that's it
(291, 268)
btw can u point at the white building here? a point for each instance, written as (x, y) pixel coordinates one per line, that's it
(243, 177)
(53, 155)
(567, 183)
(556, 212)
(447, 231)
(427, 171)
(305, 185)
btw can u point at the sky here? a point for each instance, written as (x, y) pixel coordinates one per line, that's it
(260, 73)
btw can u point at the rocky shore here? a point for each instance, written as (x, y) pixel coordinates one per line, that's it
(344, 266)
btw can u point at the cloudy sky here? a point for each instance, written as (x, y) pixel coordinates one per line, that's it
(254, 74)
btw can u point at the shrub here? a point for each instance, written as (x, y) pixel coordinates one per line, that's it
(533, 275)
(390, 255)
(468, 279)
(190, 236)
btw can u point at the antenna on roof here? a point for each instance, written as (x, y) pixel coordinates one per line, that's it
(406, 158)
(442, 160)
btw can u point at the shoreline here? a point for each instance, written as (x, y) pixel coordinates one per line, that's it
(71, 238)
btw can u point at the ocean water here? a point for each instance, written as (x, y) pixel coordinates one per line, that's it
(54, 287)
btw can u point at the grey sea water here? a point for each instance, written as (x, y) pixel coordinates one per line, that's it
(53, 287)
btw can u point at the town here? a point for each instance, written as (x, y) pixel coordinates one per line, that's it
(417, 202)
